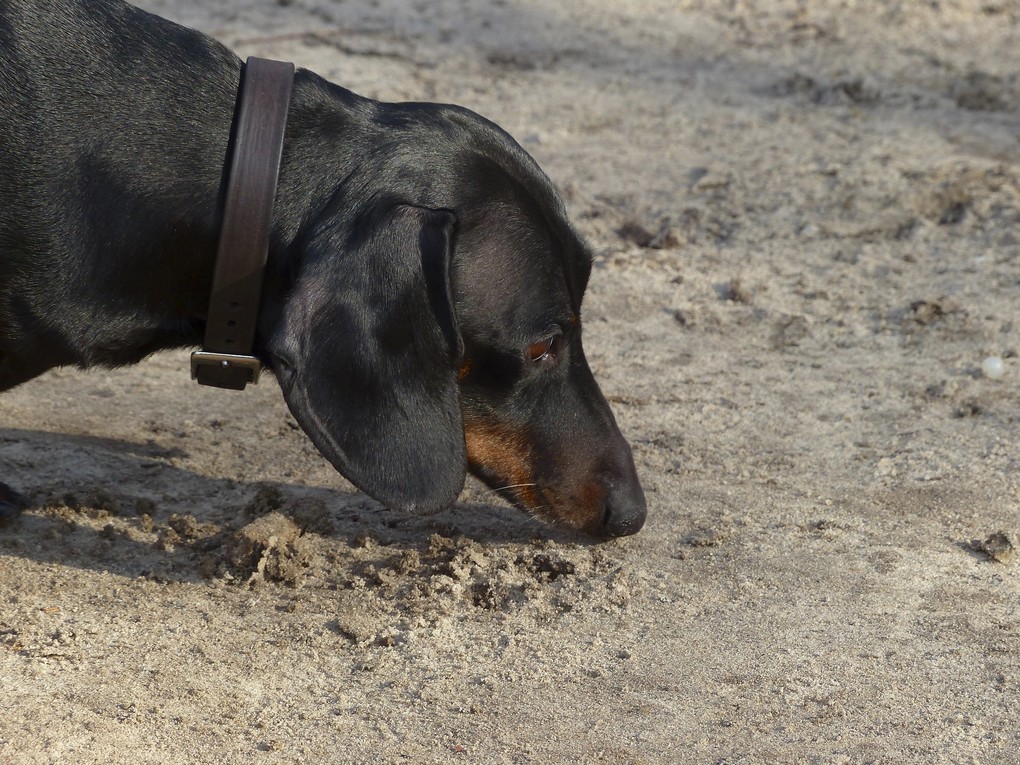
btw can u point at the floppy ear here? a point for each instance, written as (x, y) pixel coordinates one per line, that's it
(366, 353)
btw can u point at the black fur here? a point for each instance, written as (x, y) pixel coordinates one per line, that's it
(417, 251)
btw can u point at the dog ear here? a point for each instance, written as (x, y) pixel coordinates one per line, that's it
(366, 352)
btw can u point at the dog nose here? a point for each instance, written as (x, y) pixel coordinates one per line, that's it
(625, 510)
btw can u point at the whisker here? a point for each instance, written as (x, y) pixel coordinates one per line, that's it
(512, 486)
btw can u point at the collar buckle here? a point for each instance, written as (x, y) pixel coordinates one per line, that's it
(225, 370)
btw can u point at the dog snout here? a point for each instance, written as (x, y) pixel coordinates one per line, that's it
(625, 506)
(625, 511)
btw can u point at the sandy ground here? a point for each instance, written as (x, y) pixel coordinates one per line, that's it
(807, 219)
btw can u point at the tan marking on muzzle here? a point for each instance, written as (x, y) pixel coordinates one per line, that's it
(580, 507)
(507, 453)
(504, 451)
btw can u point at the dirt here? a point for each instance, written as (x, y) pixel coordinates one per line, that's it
(806, 224)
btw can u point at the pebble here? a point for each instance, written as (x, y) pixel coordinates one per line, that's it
(993, 368)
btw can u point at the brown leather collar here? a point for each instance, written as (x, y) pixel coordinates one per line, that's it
(226, 359)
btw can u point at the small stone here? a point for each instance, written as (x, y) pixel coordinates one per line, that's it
(993, 367)
(999, 547)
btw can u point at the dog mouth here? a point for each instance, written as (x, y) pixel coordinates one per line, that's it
(605, 505)
(555, 508)
(502, 457)
(506, 460)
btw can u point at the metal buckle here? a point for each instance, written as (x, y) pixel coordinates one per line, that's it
(226, 361)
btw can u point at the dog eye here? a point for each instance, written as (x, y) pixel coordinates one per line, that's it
(543, 350)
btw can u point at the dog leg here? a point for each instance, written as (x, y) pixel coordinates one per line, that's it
(14, 370)
(11, 503)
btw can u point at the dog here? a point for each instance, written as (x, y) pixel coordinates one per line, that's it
(422, 296)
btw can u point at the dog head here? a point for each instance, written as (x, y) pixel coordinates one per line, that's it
(431, 325)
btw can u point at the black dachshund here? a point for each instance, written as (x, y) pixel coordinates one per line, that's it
(421, 304)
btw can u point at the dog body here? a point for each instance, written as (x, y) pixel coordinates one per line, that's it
(422, 296)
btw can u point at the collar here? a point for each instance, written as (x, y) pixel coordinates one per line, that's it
(226, 359)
